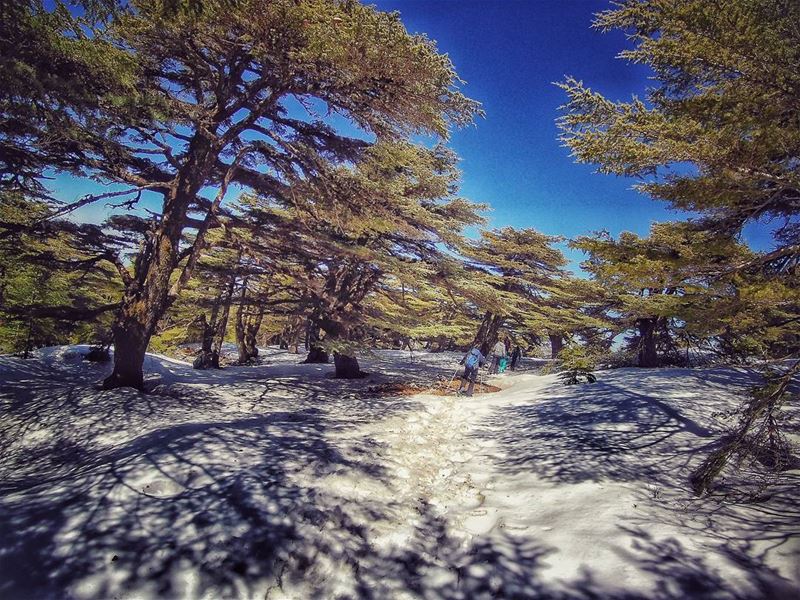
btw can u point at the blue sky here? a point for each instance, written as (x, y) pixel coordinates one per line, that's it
(510, 52)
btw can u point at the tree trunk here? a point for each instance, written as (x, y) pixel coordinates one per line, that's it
(146, 296)
(27, 350)
(247, 326)
(251, 332)
(130, 344)
(208, 359)
(346, 364)
(480, 336)
(648, 357)
(214, 333)
(316, 355)
(241, 346)
(221, 326)
(293, 334)
(488, 332)
(241, 326)
(556, 344)
(315, 352)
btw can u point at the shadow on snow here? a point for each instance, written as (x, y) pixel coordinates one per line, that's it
(119, 492)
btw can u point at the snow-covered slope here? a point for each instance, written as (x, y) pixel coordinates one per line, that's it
(276, 481)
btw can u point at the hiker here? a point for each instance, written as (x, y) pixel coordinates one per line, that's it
(472, 362)
(498, 352)
(515, 357)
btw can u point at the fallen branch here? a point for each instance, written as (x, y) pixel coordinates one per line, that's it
(761, 408)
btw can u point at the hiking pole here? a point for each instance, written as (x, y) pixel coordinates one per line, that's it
(450, 383)
(453, 376)
(439, 379)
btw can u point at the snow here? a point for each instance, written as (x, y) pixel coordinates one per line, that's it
(277, 481)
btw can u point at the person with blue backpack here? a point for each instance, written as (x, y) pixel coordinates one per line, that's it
(472, 362)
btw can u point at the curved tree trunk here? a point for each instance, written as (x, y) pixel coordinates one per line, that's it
(214, 333)
(316, 354)
(251, 333)
(480, 336)
(488, 332)
(208, 358)
(147, 290)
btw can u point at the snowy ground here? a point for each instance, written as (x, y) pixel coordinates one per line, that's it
(276, 481)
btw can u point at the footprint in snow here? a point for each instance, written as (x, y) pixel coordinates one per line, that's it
(163, 488)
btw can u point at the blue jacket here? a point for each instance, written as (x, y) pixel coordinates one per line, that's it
(474, 358)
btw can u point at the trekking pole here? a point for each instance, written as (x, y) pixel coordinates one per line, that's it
(438, 380)
(450, 383)
(453, 376)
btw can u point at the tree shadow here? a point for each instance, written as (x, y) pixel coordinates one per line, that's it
(189, 510)
(681, 571)
(608, 431)
(55, 418)
(195, 488)
(293, 502)
(744, 532)
(646, 430)
(254, 487)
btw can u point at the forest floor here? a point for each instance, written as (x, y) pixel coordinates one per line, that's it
(276, 481)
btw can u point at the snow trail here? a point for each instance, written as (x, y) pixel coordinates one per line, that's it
(277, 482)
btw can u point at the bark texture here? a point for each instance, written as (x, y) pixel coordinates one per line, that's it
(346, 364)
(316, 354)
(214, 334)
(647, 354)
(147, 291)
(556, 344)
(248, 323)
(488, 332)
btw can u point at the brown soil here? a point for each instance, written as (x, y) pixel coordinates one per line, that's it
(440, 388)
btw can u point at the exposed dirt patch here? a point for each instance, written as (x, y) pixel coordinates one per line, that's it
(440, 388)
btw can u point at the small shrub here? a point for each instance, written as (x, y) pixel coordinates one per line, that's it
(577, 364)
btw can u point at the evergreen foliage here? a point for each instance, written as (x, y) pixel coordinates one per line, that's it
(357, 231)
(718, 134)
(53, 286)
(270, 184)
(577, 363)
(725, 102)
(205, 105)
(665, 287)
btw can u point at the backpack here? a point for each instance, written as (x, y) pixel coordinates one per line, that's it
(472, 359)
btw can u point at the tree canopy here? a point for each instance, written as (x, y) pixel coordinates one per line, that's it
(718, 132)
